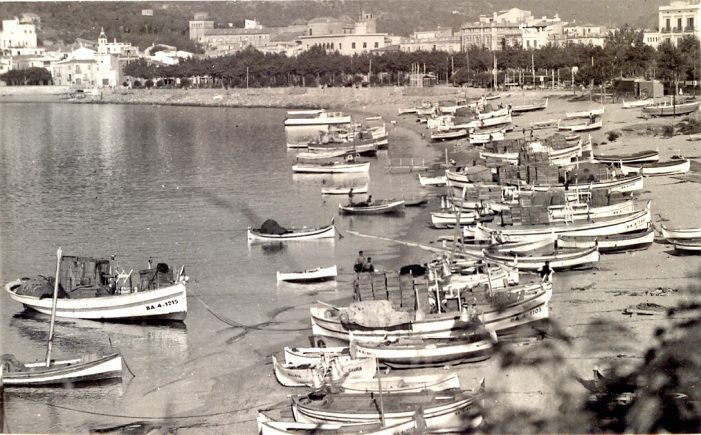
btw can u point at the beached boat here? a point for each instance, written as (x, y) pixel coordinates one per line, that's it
(577, 211)
(379, 206)
(448, 134)
(559, 259)
(548, 123)
(279, 234)
(497, 121)
(454, 409)
(437, 181)
(681, 233)
(269, 426)
(400, 384)
(509, 157)
(478, 138)
(310, 275)
(96, 289)
(640, 157)
(530, 107)
(638, 103)
(50, 372)
(449, 219)
(316, 117)
(514, 308)
(312, 355)
(312, 375)
(582, 127)
(603, 227)
(343, 190)
(331, 168)
(620, 185)
(667, 109)
(504, 111)
(688, 246)
(414, 353)
(321, 155)
(585, 113)
(671, 167)
(633, 241)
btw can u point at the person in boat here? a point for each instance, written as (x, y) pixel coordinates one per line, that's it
(546, 273)
(365, 203)
(592, 117)
(369, 267)
(350, 200)
(359, 262)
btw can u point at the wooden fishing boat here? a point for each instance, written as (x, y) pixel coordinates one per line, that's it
(414, 353)
(51, 372)
(318, 155)
(578, 211)
(380, 206)
(603, 227)
(671, 167)
(672, 109)
(530, 107)
(400, 384)
(269, 426)
(406, 111)
(448, 134)
(454, 409)
(680, 233)
(438, 181)
(620, 185)
(449, 219)
(61, 372)
(548, 123)
(343, 190)
(304, 233)
(688, 246)
(559, 259)
(95, 289)
(366, 147)
(322, 117)
(311, 275)
(586, 113)
(510, 157)
(499, 113)
(312, 355)
(582, 127)
(477, 138)
(517, 307)
(496, 121)
(312, 375)
(638, 103)
(572, 137)
(331, 168)
(633, 241)
(640, 157)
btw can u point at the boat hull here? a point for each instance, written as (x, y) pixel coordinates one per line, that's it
(426, 355)
(671, 110)
(635, 241)
(578, 259)
(386, 208)
(315, 275)
(168, 303)
(298, 234)
(341, 168)
(75, 371)
(681, 233)
(672, 167)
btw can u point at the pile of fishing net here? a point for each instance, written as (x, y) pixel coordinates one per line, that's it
(270, 226)
(374, 314)
(40, 286)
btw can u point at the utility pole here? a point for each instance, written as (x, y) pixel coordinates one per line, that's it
(246, 77)
(370, 72)
(533, 69)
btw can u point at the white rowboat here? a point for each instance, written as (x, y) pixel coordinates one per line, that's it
(672, 167)
(311, 275)
(332, 168)
(681, 233)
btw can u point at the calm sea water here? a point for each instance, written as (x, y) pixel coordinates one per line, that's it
(181, 185)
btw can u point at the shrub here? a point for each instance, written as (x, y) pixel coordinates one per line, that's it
(613, 135)
(137, 84)
(149, 83)
(668, 131)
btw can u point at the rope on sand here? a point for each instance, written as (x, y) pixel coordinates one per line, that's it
(401, 242)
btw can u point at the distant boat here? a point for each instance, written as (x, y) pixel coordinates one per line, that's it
(343, 190)
(448, 134)
(692, 246)
(633, 241)
(671, 167)
(586, 113)
(380, 206)
(638, 103)
(558, 259)
(530, 107)
(582, 127)
(449, 219)
(680, 233)
(304, 233)
(309, 275)
(672, 109)
(548, 123)
(640, 157)
(269, 426)
(316, 117)
(338, 367)
(331, 168)
(437, 181)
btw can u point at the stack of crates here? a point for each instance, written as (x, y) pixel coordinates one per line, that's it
(394, 289)
(363, 287)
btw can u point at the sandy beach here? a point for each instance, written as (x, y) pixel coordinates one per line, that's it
(587, 306)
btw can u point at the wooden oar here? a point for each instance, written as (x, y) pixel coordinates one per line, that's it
(53, 307)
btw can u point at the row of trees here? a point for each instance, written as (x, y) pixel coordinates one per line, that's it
(26, 77)
(623, 55)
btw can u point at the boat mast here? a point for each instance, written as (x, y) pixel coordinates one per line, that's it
(53, 307)
(379, 389)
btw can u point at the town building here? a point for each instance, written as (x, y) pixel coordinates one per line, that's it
(343, 35)
(19, 38)
(219, 42)
(512, 28)
(587, 34)
(199, 25)
(675, 21)
(438, 39)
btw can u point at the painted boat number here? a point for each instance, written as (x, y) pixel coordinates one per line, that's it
(535, 310)
(164, 304)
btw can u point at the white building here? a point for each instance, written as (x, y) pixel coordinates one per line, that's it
(679, 19)
(346, 38)
(19, 39)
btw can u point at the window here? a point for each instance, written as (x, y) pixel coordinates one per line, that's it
(353, 45)
(340, 46)
(377, 45)
(690, 23)
(679, 23)
(668, 24)
(365, 45)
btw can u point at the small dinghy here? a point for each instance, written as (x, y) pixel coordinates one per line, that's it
(671, 167)
(380, 206)
(688, 246)
(337, 368)
(311, 275)
(343, 190)
(680, 233)
(271, 231)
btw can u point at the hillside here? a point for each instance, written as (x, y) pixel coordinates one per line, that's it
(169, 24)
